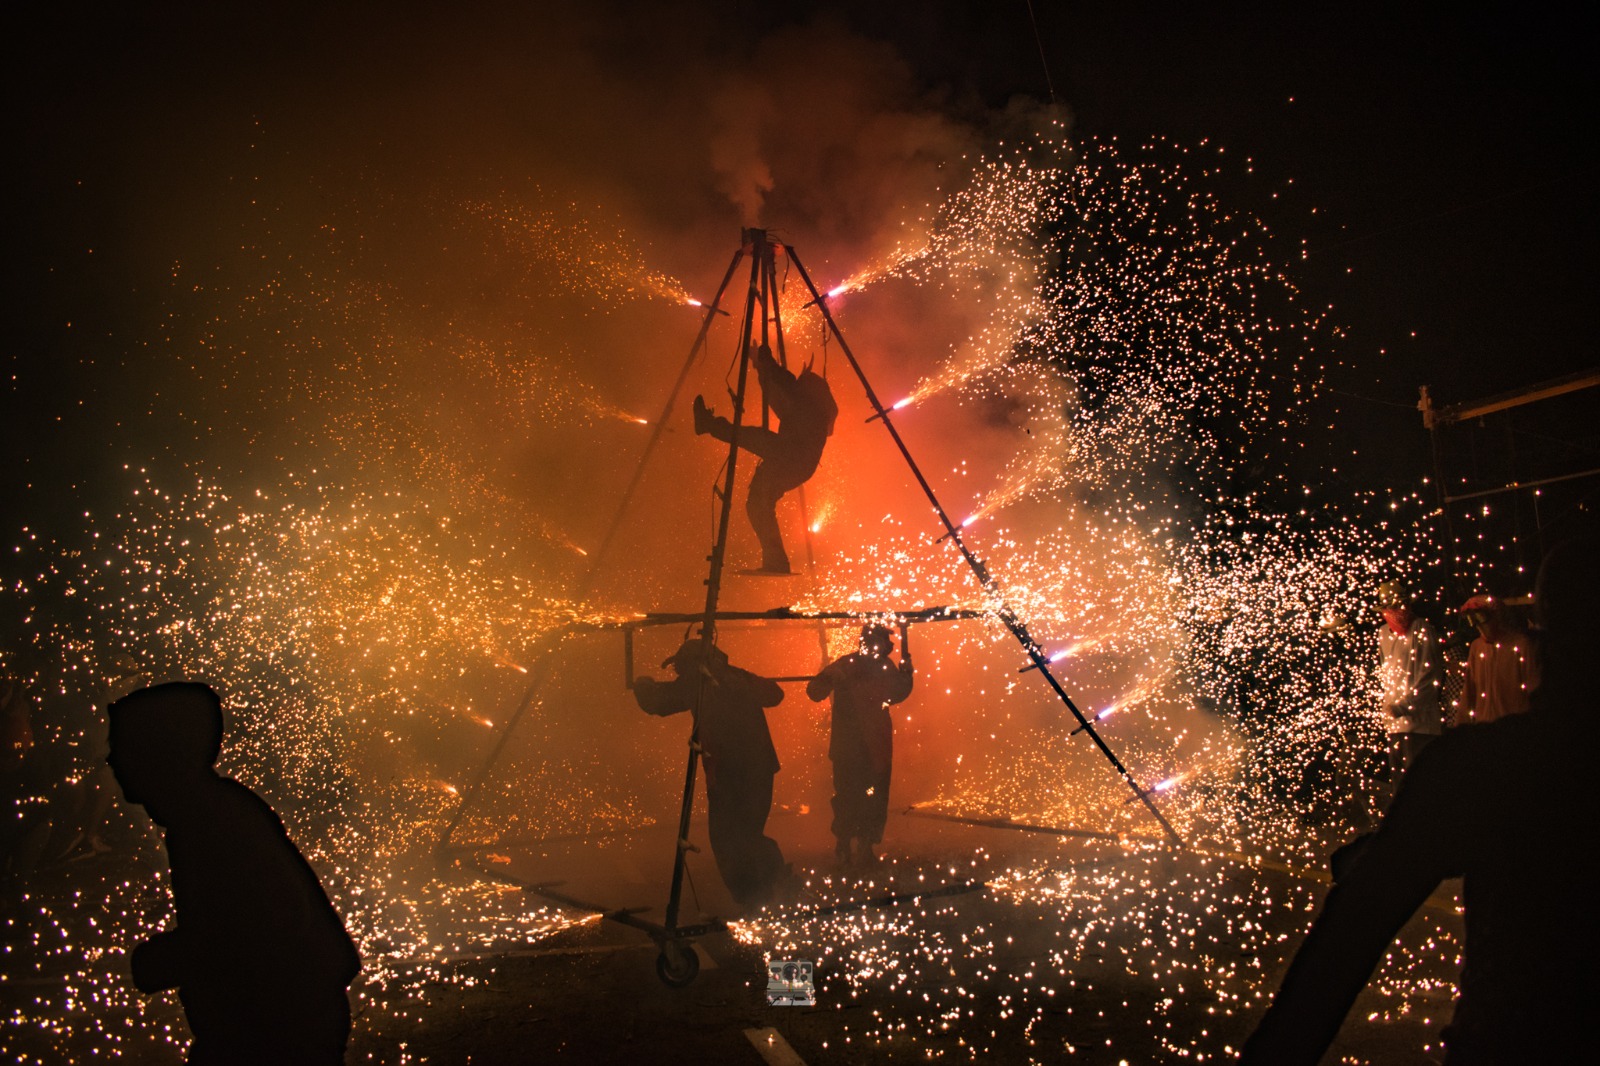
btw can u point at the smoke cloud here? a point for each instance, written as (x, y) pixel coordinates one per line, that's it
(408, 295)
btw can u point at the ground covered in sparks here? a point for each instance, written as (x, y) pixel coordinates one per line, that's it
(1081, 947)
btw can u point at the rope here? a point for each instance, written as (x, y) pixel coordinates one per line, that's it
(716, 501)
(694, 892)
(1042, 61)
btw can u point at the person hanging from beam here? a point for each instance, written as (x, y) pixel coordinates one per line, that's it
(861, 744)
(789, 456)
(739, 758)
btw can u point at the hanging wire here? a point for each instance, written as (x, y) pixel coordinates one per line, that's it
(823, 323)
(715, 496)
(1043, 62)
(693, 891)
(733, 363)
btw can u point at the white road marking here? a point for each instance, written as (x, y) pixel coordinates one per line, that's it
(773, 1047)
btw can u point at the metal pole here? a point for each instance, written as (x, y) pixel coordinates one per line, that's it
(1516, 503)
(755, 243)
(805, 509)
(1005, 613)
(1430, 419)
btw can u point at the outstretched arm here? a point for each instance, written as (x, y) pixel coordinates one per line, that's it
(766, 691)
(901, 679)
(160, 963)
(820, 687)
(660, 698)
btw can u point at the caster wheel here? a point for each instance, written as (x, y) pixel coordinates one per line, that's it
(677, 965)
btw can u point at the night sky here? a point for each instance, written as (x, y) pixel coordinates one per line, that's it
(1441, 172)
(1451, 163)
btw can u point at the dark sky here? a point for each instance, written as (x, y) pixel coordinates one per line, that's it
(1451, 161)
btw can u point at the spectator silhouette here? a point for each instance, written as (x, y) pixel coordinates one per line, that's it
(1507, 806)
(258, 955)
(1502, 669)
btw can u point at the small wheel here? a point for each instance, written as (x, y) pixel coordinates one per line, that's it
(677, 965)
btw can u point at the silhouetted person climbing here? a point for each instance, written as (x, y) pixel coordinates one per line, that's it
(1507, 805)
(258, 955)
(861, 743)
(739, 758)
(806, 412)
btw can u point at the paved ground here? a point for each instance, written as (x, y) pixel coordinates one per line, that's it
(1073, 950)
(1097, 955)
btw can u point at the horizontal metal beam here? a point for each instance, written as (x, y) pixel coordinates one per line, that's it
(1517, 486)
(1049, 830)
(1460, 412)
(789, 614)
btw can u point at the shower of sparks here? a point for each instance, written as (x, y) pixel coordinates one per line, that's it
(589, 261)
(968, 979)
(372, 615)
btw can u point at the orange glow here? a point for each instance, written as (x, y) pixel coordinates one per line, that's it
(499, 661)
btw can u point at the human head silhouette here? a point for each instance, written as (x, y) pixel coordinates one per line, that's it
(693, 655)
(1566, 601)
(876, 640)
(1485, 612)
(163, 739)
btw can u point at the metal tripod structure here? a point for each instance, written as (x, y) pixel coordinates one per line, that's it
(762, 325)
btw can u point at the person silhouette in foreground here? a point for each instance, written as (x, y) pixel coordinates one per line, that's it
(806, 412)
(1508, 806)
(736, 745)
(861, 740)
(258, 955)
